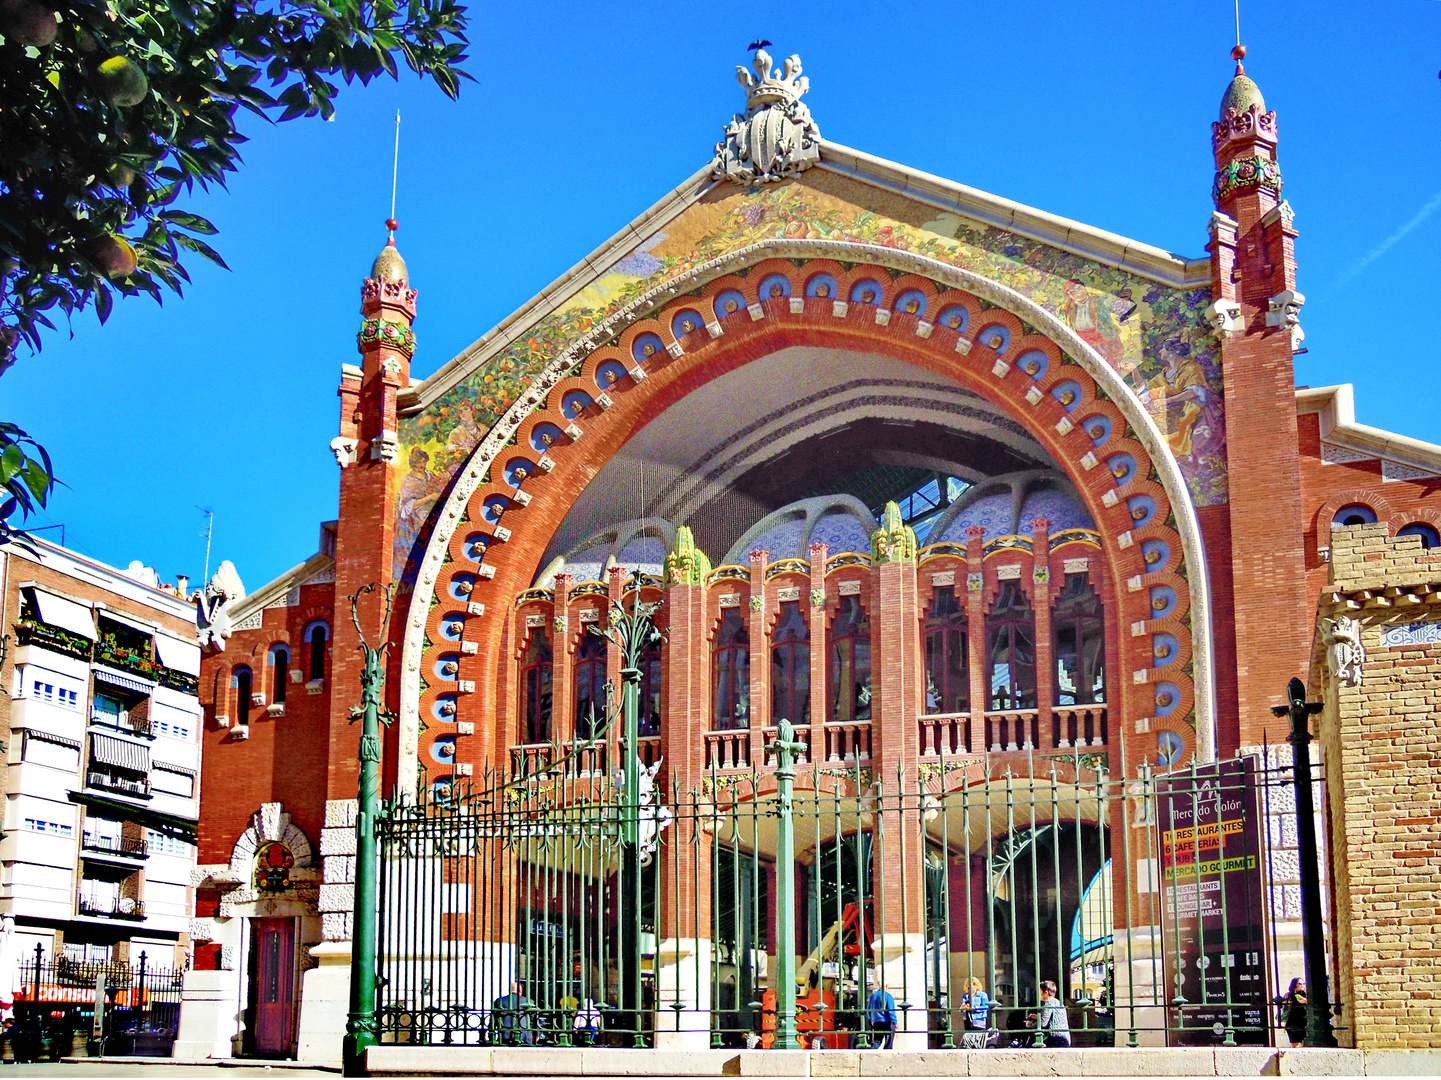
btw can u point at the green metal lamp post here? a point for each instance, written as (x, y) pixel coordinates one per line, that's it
(785, 748)
(632, 631)
(630, 880)
(1318, 986)
(360, 1027)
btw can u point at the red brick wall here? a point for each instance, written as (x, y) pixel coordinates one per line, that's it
(286, 758)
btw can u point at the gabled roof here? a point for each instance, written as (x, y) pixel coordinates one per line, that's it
(935, 192)
(276, 590)
(1343, 439)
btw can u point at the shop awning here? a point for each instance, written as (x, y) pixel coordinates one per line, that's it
(126, 682)
(66, 614)
(120, 754)
(119, 810)
(178, 655)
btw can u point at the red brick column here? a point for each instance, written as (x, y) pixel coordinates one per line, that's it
(615, 579)
(1041, 604)
(563, 643)
(760, 717)
(1252, 264)
(898, 690)
(686, 854)
(820, 655)
(365, 531)
(975, 595)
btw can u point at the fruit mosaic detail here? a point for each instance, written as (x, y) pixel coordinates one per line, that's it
(1154, 336)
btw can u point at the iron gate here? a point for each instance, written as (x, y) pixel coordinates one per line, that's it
(55, 1008)
(1164, 907)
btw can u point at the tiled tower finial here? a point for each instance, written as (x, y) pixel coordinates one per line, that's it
(1244, 142)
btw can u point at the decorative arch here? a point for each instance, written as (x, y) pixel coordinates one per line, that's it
(1368, 497)
(987, 337)
(808, 512)
(272, 830)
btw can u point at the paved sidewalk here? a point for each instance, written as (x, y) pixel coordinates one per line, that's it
(103, 1068)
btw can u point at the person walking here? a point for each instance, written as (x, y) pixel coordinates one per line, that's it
(881, 1010)
(1293, 1013)
(1052, 1019)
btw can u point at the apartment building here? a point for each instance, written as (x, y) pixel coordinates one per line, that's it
(100, 724)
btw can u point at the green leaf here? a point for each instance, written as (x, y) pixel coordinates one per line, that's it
(202, 248)
(11, 462)
(185, 220)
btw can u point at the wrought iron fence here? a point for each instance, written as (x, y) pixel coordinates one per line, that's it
(55, 1007)
(933, 906)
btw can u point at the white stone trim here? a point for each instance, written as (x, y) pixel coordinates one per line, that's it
(1335, 406)
(1076, 237)
(1168, 471)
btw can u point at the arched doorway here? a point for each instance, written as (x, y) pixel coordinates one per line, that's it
(1063, 396)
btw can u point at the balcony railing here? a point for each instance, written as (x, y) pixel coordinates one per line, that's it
(178, 680)
(131, 725)
(121, 908)
(848, 742)
(531, 759)
(1070, 727)
(29, 632)
(122, 783)
(943, 735)
(109, 653)
(728, 751)
(946, 735)
(118, 846)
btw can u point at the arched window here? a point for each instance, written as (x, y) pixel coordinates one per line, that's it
(731, 673)
(589, 683)
(1429, 536)
(279, 673)
(1080, 644)
(1011, 647)
(948, 669)
(318, 638)
(851, 662)
(791, 667)
(1355, 514)
(535, 681)
(240, 679)
(650, 689)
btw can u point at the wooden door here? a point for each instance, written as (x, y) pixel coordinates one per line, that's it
(274, 944)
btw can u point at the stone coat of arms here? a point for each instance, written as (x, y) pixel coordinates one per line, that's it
(775, 137)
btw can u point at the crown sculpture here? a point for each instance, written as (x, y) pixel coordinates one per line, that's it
(775, 137)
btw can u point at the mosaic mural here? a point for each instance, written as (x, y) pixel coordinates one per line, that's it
(1153, 335)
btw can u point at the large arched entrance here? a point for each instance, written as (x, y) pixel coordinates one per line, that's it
(533, 472)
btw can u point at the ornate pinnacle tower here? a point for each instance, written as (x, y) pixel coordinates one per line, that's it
(1244, 141)
(775, 137)
(1255, 316)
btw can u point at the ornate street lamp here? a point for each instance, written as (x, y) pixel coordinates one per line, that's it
(360, 1027)
(786, 749)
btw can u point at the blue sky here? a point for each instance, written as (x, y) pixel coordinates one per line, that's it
(582, 116)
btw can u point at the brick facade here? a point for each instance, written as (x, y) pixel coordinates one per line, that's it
(1379, 739)
(1207, 602)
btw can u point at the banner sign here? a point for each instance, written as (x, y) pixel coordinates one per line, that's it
(1212, 913)
(74, 995)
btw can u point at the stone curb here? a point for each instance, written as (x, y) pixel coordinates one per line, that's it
(405, 1060)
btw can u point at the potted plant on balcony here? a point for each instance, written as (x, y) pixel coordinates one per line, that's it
(128, 658)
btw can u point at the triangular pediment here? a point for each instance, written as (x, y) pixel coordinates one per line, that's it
(848, 196)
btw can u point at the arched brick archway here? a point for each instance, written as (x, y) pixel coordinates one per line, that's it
(522, 478)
